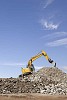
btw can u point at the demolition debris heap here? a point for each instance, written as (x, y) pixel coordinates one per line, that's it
(47, 80)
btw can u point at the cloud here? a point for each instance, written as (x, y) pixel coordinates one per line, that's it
(65, 68)
(59, 42)
(52, 16)
(49, 25)
(12, 64)
(54, 35)
(38, 67)
(48, 2)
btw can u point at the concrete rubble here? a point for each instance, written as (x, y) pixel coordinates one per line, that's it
(48, 80)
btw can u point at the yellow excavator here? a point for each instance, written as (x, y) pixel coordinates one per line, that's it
(30, 67)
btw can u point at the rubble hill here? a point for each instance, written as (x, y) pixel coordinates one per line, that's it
(48, 80)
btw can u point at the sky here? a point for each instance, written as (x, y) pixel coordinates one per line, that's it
(26, 28)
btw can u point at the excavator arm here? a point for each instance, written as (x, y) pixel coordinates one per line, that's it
(43, 53)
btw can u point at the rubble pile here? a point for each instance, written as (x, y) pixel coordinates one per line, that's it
(47, 80)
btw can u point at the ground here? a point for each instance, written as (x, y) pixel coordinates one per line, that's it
(31, 97)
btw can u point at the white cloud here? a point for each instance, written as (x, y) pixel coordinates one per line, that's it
(51, 17)
(65, 68)
(49, 25)
(59, 42)
(12, 64)
(38, 67)
(48, 2)
(54, 35)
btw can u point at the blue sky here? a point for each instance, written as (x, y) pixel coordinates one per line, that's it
(26, 28)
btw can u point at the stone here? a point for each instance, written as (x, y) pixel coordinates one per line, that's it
(47, 80)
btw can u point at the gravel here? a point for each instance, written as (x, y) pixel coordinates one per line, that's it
(48, 80)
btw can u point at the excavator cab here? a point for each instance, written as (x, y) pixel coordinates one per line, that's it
(28, 70)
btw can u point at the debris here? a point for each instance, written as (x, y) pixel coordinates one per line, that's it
(48, 80)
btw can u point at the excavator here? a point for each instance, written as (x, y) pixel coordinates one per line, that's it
(30, 67)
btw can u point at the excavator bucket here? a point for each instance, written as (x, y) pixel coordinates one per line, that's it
(54, 64)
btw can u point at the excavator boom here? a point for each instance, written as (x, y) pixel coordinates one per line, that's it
(43, 53)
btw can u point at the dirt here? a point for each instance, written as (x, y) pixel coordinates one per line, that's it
(31, 97)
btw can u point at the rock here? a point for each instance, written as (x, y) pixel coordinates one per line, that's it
(47, 80)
